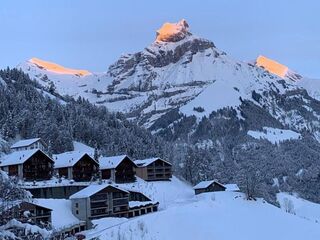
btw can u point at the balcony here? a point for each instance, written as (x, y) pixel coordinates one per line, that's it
(94, 205)
(120, 201)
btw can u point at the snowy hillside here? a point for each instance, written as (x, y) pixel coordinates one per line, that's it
(220, 215)
(167, 193)
(274, 135)
(299, 207)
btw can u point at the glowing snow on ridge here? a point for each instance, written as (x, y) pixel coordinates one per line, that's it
(171, 30)
(272, 66)
(55, 68)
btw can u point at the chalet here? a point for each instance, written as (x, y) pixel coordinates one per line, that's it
(29, 212)
(98, 201)
(120, 169)
(208, 186)
(153, 169)
(31, 165)
(76, 165)
(107, 200)
(29, 144)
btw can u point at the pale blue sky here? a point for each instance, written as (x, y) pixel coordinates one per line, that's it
(92, 34)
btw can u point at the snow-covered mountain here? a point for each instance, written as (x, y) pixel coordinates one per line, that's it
(178, 70)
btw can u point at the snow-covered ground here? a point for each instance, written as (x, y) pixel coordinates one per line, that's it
(274, 135)
(300, 207)
(219, 215)
(167, 193)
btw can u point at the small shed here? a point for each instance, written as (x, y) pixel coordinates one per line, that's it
(209, 186)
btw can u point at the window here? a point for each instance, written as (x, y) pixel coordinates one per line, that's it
(77, 205)
(77, 212)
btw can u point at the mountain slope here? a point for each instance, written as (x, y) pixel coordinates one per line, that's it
(27, 111)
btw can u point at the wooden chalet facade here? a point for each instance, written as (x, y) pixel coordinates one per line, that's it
(209, 186)
(75, 165)
(154, 169)
(27, 212)
(120, 169)
(30, 165)
(29, 144)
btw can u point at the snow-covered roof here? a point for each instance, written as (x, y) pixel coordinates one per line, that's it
(53, 182)
(133, 204)
(25, 142)
(205, 184)
(148, 161)
(93, 189)
(232, 187)
(18, 157)
(15, 203)
(61, 215)
(68, 159)
(111, 162)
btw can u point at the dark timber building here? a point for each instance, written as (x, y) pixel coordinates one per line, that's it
(76, 165)
(120, 169)
(30, 165)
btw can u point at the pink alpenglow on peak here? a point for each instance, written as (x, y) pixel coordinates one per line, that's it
(55, 68)
(173, 32)
(272, 66)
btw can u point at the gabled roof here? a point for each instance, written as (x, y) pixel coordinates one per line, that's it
(148, 161)
(68, 159)
(18, 157)
(112, 162)
(25, 142)
(205, 184)
(93, 189)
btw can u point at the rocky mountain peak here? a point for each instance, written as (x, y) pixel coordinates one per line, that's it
(173, 32)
